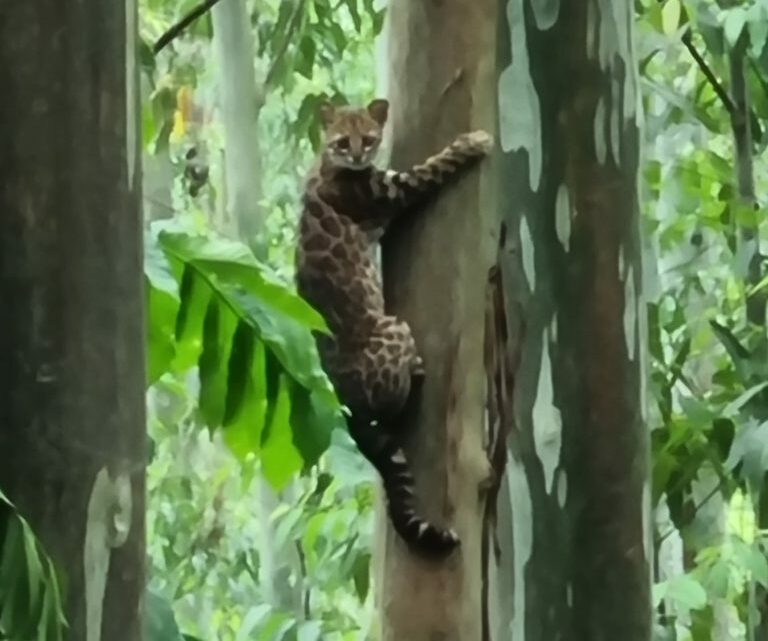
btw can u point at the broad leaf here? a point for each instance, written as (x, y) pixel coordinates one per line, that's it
(214, 306)
(30, 599)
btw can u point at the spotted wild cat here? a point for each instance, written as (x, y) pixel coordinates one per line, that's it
(372, 359)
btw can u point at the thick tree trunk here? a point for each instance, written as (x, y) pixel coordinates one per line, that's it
(435, 268)
(72, 428)
(577, 477)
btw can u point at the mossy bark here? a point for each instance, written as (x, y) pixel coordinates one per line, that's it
(72, 422)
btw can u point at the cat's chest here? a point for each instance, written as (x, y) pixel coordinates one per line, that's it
(354, 199)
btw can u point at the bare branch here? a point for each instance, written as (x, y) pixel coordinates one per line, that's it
(687, 39)
(696, 509)
(182, 24)
(708, 73)
(307, 604)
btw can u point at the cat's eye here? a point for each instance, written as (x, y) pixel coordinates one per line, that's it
(368, 141)
(343, 143)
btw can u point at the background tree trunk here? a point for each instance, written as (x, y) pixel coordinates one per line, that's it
(577, 477)
(240, 103)
(435, 268)
(240, 100)
(71, 348)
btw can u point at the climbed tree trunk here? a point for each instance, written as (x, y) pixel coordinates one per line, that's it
(577, 563)
(435, 266)
(72, 428)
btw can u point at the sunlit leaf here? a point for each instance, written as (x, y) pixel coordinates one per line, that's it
(735, 19)
(281, 458)
(670, 16)
(686, 591)
(309, 631)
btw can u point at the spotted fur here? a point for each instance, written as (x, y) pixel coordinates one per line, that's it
(372, 358)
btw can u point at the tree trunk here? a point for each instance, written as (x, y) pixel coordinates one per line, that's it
(750, 248)
(240, 100)
(435, 267)
(240, 103)
(71, 348)
(577, 478)
(745, 179)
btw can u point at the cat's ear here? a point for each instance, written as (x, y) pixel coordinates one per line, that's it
(378, 110)
(327, 113)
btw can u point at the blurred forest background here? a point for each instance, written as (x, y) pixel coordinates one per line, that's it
(255, 534)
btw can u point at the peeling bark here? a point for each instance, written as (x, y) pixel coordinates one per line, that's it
(577, 475)
(435, 268)
(71, 278)
(504, 337)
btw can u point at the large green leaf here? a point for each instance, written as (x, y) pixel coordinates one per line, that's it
(30, 599)
(163, 303)
(160, 620)
(214, 306)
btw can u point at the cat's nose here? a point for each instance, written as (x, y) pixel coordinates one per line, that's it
(357, 157)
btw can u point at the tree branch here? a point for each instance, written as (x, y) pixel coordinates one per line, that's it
(708, 73)
(182, 24)
(687, 39)
(696, 509)
(307, 609)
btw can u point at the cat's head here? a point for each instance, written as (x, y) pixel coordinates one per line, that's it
(353, 135)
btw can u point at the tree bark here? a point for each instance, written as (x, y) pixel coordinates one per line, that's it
(745, 179)
(71, 348)
(435, 266)
(577, 477)
(240, 104)
(241, 101)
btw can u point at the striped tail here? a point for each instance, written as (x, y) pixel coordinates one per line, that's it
(389, 460)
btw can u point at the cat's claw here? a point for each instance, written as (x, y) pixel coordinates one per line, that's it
(478, 140)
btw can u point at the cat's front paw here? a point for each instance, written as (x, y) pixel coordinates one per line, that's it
(478, 141)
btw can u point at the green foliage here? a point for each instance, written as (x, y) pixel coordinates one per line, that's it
(214, 306)
(205, 528)
(160, 621)
(231, 357)
(708, 362)
(30, 599)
